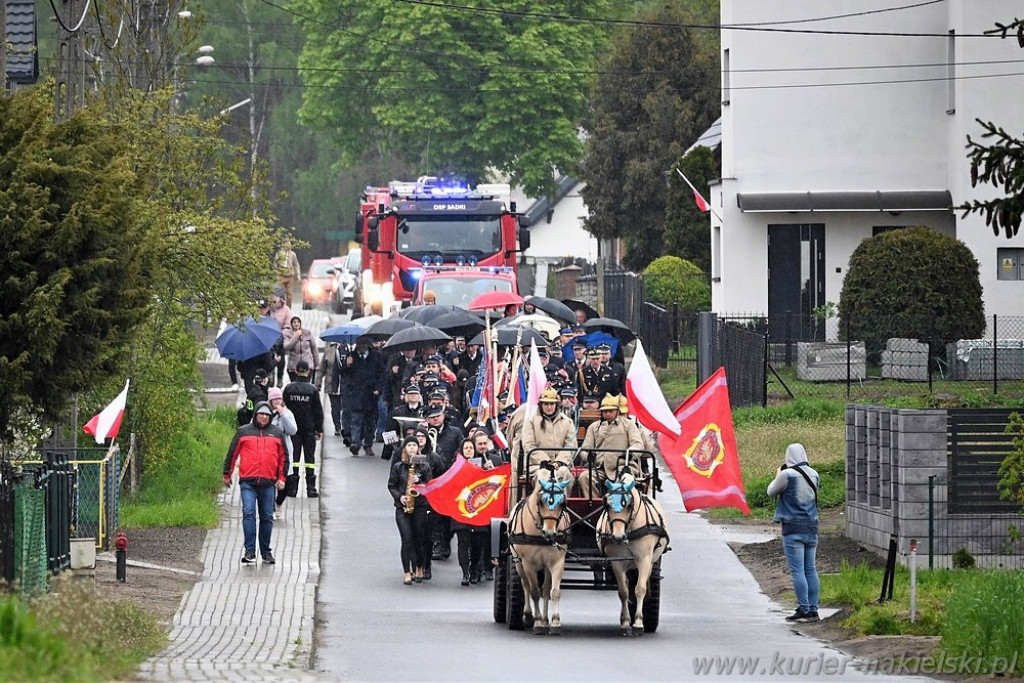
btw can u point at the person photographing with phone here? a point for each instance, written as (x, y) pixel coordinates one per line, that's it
(796, 485)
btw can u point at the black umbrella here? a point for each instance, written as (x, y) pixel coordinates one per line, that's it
(416, 337)
(383, 329)
(553, 307)
(424, 315)
(576, 305)
(509, 336)
(458, 323)
(616, 328)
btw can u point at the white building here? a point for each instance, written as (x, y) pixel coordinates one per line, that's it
(857, 126)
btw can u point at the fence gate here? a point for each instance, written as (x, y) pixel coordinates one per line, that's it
(977, 444)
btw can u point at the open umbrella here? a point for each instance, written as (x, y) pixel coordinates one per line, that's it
(458, 323)
(576, 305)
(249, 338)
(424, 315)
(537, 321)
(347, 334)
(383, 329)
(509, 336)
(616, 328)
(553, 307)
(416, 337)
(495, 299)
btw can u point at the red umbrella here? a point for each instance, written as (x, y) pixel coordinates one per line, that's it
(495, 299)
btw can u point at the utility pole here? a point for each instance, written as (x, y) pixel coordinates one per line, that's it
(70, 64)
(3, 47)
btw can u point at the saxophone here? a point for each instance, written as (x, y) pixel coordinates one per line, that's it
(411, 494)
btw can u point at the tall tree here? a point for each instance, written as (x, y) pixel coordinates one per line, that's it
(75, 269)
(656, 92)
(453, 89)
(686, 226)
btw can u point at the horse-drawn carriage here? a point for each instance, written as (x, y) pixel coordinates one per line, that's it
(552, 540)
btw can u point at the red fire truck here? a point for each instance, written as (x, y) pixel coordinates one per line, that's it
(408, 226)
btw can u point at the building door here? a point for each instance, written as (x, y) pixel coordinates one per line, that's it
(796, 281)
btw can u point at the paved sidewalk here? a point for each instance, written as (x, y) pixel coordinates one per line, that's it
(248, 622)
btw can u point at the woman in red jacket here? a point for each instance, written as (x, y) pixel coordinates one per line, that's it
(259, 451)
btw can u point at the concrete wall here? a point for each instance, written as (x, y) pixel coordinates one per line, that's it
(890, 456)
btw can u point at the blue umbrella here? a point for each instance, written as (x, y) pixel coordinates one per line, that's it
(347, 334)
(249, 338)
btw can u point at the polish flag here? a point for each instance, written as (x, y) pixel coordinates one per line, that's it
(107, 423)
(538, 380)
(645, 398)
(701, 202)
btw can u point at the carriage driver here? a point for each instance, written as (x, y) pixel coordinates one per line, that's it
(548, 428)
(612, 432)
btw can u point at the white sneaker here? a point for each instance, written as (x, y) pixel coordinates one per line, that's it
(277, 512)
(234, 387)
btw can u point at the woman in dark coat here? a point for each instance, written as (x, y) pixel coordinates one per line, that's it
(411, 512)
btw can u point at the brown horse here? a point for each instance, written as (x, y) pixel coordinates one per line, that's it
(538, 540)
(633, 533)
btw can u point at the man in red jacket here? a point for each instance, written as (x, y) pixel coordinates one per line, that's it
(259, 451)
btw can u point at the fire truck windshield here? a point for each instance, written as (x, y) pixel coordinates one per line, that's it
(449, 235)
(459, 291)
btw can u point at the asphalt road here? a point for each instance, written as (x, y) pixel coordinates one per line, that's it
(371, 627)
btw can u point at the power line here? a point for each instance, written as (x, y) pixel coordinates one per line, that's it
(568, 18)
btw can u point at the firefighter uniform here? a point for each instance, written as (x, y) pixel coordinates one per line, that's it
(618, 433)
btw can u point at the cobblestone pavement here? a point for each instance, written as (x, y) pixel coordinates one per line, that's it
(249, 622)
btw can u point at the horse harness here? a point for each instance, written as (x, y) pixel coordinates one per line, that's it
(560, 538)
(652, 527)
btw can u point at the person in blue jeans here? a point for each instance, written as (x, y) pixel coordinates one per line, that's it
(258, 450)
(796, 485)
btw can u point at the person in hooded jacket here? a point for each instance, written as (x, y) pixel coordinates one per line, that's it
(259, 451)
(796, 485)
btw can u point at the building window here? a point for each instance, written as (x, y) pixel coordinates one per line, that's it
(1008, 264)
(726, 80)
(716, 253)
(879, 229)
(951, 73)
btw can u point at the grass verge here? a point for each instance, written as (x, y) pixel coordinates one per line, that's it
(71, 634)
(182, 492)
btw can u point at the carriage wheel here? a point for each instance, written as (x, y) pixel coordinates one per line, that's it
(652, 602)
(500, 592)
(514, 598)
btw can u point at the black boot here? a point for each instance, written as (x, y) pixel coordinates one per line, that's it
(465, 577)
(311, 486)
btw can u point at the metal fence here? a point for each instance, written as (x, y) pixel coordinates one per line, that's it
(875, 358)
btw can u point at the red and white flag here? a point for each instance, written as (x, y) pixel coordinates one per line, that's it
(107, 423)
(468, 493)
(538, 380)
(703, 458)
(702, 203)
(645, 398)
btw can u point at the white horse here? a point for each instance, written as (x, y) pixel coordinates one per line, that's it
(538, 540)
(633, 533)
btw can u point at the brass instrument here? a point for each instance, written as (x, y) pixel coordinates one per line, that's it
(432, 436)
(411, 494)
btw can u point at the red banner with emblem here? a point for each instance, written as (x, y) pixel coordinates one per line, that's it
(468, 493)
(703, 458)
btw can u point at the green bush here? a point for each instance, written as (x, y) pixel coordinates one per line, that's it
(912, 283)
(670, 279)
(985, 619)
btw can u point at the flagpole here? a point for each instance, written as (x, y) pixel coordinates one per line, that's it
(687, 180)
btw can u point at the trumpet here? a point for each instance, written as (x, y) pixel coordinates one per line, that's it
(432, 436)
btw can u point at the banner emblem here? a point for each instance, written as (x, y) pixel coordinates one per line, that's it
(706, 453)
(475, 497)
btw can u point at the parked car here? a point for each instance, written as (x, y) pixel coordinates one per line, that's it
(349, 280)
(319, 285)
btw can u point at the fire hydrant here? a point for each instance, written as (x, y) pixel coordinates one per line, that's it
(121, 553)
